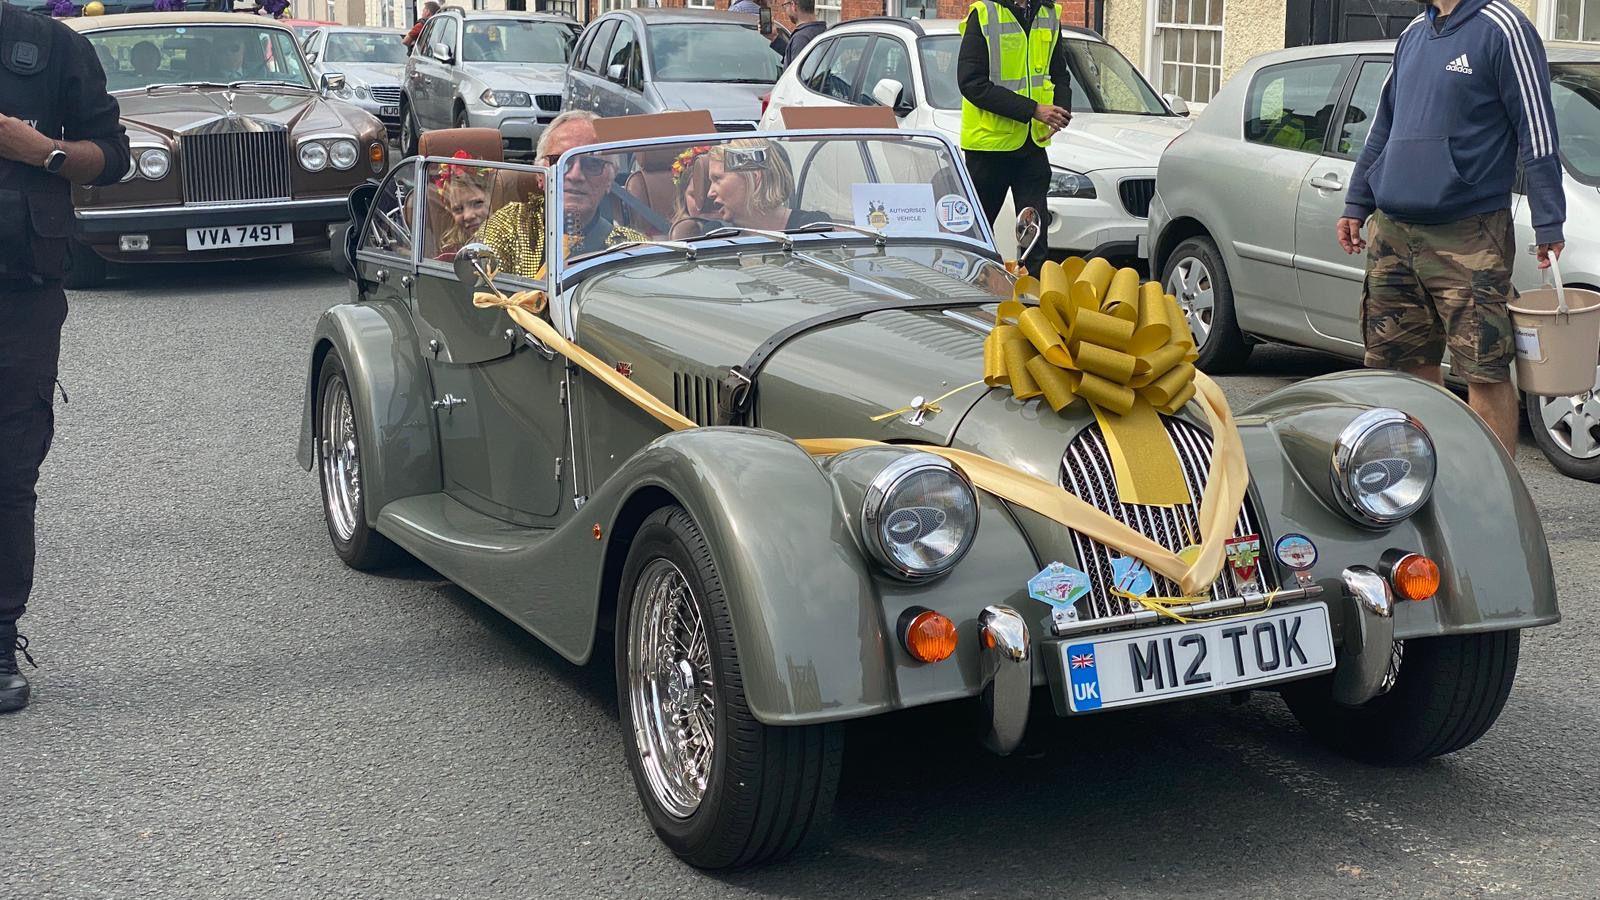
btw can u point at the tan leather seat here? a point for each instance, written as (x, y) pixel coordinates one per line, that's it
(480, 143)
(652, 184)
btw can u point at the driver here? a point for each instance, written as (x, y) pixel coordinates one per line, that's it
(516, 230)
(230, 56)
(146, 58)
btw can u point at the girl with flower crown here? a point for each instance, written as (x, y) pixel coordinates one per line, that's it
(695, 213)
(463, 191)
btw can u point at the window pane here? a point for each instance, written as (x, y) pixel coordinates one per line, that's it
(1568, 19)
(1186, 47)
(1363, 106)
(1165, 15)
(1169, 44)
(1289, 105)
(839, 74)
(889, 60)
(1216, 13)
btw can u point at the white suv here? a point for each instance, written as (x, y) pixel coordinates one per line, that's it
(1104, 164)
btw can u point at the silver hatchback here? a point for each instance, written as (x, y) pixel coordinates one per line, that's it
(1242, 225)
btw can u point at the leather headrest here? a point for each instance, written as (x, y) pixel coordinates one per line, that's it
(479, 143)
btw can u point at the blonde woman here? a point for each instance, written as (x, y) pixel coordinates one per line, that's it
(753, 184)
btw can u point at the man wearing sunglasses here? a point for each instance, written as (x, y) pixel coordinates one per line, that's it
(516, 231)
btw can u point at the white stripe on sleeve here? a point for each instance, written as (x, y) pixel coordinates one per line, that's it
(1528, 77)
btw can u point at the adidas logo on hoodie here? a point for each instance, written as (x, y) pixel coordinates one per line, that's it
(1459, 64)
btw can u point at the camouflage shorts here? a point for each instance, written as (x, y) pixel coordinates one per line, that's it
(1430, 287)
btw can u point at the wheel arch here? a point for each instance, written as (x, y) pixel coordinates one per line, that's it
(1177, 231)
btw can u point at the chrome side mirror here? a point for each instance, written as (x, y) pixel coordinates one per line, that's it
(1029, 230)
(1177, 104)
(330, 82)
(442, 52)
(477, 263)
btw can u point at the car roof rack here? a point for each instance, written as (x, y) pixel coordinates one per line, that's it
(903, 21)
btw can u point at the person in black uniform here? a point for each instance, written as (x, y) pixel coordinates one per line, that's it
(1024, 171)
(58, 127)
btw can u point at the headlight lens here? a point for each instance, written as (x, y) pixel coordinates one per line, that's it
(343, 154)
(920, 516)
(313, 156)
(154, 164)
(1383, 466)
(506, 98)
(1070, 184)
(347, 91)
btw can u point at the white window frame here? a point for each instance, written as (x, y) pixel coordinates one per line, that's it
(830, 11)
(1545, 21)
(609, 5)
(701, 4)
(1152, 58)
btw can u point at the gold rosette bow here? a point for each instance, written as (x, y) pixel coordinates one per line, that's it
(1085, 331)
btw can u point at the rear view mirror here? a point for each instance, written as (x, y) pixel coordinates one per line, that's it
(475, 263)
(1177, 104)
(1029, 230)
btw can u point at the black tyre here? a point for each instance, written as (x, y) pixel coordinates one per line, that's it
(410, 132)
(720, 788)
(339, 459)
(1195, 274)
(460, 119)
(1567, 430)
(1447, 692)
(85, 268)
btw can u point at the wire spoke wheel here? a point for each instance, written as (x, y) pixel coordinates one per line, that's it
(671, 688)
(341, 459)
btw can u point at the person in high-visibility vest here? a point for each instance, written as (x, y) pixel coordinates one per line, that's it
(1015, 94)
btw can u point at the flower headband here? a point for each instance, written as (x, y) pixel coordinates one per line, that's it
(447, 171)
(685, 160)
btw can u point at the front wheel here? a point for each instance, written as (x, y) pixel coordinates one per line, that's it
(410, 132)
(339, 464)
(1447, 691)
(1567, 430)
(720, 788)
(460, 120)
(1195, 274)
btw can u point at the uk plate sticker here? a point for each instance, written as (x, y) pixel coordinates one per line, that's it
(1085, 677)
(955, 213)
(1244, 557)
(1059, 585)
(1130, 576)
(1296, 551)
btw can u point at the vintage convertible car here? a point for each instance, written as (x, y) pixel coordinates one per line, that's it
(237, 153)
(777, 469)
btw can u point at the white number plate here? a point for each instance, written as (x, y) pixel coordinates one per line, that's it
(1186, 660)
(227, 237)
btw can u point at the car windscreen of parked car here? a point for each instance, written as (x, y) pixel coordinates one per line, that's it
(511, 40)
(1103, 81)
(731, 54)
(357, 47)
(1575, 92)
(137, 58)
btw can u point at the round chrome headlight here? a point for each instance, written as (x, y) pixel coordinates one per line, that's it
(313, 156)
(919, 516)
(1383, 466)
(343, 154)
(154, 164)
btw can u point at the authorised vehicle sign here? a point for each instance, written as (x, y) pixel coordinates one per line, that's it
(227, 237)
(1202, 658)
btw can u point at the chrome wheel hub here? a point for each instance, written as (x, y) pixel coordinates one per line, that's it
(1573, 423)
(1190, 282)
(671, 692)
(341, 459)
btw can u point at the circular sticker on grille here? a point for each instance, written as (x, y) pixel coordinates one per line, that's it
(1296, 551)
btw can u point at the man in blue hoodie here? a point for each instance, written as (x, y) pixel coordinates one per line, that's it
(1467, 102)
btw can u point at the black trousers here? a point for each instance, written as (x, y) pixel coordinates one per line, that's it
(1025, 173)
(28, 360)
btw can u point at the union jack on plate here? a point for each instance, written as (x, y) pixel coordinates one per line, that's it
(1083, 660)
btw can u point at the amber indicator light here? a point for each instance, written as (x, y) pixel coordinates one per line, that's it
(1416, 577)
(929, 636)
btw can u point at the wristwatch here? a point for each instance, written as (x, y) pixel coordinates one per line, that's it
(56, 159)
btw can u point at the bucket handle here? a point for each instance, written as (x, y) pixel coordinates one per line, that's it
(1561, 290)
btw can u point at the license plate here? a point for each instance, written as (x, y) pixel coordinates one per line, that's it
(227, 237)
(1188, 660)
(389, 111)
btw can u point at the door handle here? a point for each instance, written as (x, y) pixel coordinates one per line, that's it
(382, 275)
(448, 402)
(1328, 182)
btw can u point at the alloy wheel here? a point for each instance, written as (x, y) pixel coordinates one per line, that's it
(671, 689)
(1190, 282)
(1573, 423)
(341, 459)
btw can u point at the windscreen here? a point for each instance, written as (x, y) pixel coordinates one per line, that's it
(364, 47)
(511, 40)
(1575, 92)
(730, 54)
(1103, 81)
(136, 58)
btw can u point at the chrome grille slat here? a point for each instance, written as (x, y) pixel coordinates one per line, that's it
(386, 95)
(1086, 472)
(228, 166)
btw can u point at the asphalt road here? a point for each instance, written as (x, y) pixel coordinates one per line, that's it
(224, 710)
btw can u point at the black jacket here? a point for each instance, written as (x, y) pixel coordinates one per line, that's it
(972, 70)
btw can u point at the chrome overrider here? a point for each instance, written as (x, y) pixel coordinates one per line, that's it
(1363, 662)
(1007, 677)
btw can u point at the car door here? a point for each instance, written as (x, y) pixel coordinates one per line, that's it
(386, 252)
(445, 74)
(1286, 113)
(791, 89)
(498, 399)
(624, 77)
(585, 81)
(420, 69)
(887, 59)
(1330, 279)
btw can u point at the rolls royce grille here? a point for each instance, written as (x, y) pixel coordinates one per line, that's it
(226, 167)
(1086, 472)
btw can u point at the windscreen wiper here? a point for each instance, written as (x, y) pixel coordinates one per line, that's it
(878, 237)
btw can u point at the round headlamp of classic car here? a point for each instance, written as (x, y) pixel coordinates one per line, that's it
(154, 164)
(344, 154)
(313, 156)
(1383, 467)
(919, 516)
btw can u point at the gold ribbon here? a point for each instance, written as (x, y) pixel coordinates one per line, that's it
(1083, 330)
(1194, 572)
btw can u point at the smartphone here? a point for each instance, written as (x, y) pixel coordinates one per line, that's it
(765, 18)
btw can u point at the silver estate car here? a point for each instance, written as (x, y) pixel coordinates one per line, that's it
(491, 69)
(1242, 225)
(372, 61)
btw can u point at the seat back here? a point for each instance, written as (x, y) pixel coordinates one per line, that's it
(477, 143)
(651, 184)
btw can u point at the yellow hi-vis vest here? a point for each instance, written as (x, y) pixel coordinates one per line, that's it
(1018, 60)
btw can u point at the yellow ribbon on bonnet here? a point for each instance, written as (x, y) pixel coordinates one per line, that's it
(1095, 333)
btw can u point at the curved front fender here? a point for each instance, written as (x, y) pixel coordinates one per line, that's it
(1480, 526)
(390, 390)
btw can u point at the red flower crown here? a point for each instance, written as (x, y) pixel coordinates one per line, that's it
(681, 165)
(447, 171)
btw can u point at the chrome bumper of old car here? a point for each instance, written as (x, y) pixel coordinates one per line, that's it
(1249, 603)
(1007, 677)
(1368, 637)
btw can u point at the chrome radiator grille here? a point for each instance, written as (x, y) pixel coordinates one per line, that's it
(223, 167)
(1086, 472)
(387, 95)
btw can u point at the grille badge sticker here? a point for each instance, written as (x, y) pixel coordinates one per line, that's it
(1130, 576)
(1061, 586)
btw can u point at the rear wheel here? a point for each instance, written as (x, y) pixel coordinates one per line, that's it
(85, 268)
(410, 132)
(1196, 275)
(1567, 429)
(720, 788)
(1447, 691)
(339, 465)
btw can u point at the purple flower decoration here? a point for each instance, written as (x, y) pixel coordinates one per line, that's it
(169, 5)
(63, 8)
(274, 8)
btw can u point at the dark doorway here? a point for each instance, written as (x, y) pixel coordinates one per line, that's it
(1334, 21)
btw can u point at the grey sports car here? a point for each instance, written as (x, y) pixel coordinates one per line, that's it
(813, 461)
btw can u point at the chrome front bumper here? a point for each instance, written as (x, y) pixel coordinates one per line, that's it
(1007, 677)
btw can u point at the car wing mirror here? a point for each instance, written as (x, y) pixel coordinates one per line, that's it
(1178, 105)
(311, 57)
(617, 72)
(442, 52)
(477, 263)
(888, 92)
(1029, 230)
(331, 82)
